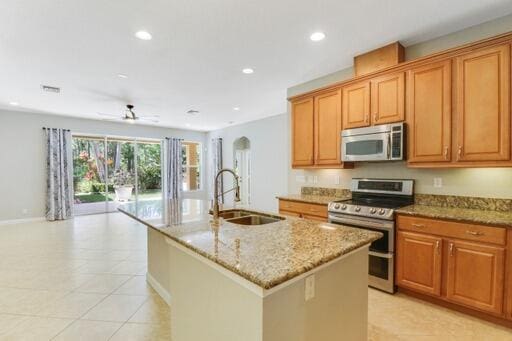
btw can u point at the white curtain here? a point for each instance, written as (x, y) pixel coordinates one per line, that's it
(59, 184)
(173, 168)
(217, 165)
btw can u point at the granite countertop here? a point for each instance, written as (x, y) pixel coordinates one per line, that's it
(266, 255)
(312, 198)
(477, 216)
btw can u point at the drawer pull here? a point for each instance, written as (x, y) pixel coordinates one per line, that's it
(419, 225)
(475, 233)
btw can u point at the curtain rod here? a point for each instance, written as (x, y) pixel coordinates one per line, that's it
(56, 128)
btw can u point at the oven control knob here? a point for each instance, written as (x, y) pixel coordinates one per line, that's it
(373, 210)
(382, 211)
(337, 206)
(358, 208)
(344, 207)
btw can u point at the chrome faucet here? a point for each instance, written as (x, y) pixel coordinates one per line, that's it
(216, 193)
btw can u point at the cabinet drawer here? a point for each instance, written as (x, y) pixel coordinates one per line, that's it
(304, 208)
(480, 233)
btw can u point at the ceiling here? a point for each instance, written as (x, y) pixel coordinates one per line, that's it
(198, 50)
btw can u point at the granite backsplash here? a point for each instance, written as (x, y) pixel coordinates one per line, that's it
(326, 192)
(474, 203)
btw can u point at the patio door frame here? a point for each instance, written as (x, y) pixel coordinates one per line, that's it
(135, 141)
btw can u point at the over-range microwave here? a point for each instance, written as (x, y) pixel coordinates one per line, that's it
(377, 143)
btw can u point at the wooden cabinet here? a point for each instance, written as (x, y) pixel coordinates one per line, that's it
(316, 131)
(304, 210)
(419, 262)
(483, 108)
(388, 98)
(303, 133)
(328, 128)
(475, 275)
(460, 263)
(356, 105)
(430, 112)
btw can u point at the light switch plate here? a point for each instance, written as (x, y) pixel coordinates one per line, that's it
(315, 179)
(336, 179)
(310, 179)
(309, 288)
(438, 182)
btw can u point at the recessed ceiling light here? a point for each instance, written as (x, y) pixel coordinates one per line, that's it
(247, 70)
(317, 36)
(143, 35)
(14, 104)
(121, 75)
(236, 108)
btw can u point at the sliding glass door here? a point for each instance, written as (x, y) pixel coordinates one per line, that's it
(108, 171)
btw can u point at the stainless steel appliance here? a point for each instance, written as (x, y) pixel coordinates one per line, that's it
(372, 208)
(378, 143)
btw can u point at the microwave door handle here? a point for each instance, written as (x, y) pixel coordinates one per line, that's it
(389, 147)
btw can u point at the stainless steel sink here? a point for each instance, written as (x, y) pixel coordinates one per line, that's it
(233, 214)
(254, 219)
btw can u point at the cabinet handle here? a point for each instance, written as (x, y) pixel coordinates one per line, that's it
(419, 225)
(437, 247)
(475, 233)
(367, 118)
(446, 153)
(375, 117)
(459, 152)
(451, 249)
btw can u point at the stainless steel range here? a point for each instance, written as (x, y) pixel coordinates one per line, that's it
(372, 208)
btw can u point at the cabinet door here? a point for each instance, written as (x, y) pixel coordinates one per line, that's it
(419, 262)
(475, 275)
(388, 98)
(483, 111)
(356, 105)
(430, 112)
(303, 133)
(328, 128)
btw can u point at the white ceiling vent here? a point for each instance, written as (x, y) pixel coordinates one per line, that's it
(48, 88)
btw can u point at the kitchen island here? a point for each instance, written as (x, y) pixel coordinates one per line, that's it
(291, 279)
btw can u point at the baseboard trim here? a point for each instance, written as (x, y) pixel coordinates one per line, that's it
(158, 288)
(21, 221)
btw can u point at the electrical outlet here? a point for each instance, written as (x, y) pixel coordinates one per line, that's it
(438, 182)
(337, 179)
(309, 288)
(300, 178)
(315, 179)
(24, 211)
(310, 179)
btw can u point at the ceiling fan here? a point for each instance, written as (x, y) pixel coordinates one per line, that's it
(130, 116)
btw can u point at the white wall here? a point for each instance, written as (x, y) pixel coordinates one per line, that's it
(488, 182)
(269, 157)
(22, 155)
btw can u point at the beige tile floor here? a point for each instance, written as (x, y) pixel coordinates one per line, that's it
(83, 279)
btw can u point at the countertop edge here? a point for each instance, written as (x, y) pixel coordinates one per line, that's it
(449, 217)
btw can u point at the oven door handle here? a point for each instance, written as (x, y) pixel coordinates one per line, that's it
(379, 225)
(380, 255)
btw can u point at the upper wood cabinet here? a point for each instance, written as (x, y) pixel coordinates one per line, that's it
(303, 133)
(429, 112)
(316, 131)
(475, 275)
(328, 128)
(419, 262)
(483, 108)
(356, 105)
(388, 98)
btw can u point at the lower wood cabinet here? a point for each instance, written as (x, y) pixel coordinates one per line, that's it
(304, 210)
(475, 275)
(465, 264)
(419, 262)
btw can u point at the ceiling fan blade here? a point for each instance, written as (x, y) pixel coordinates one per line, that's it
(109, 115)
(147, 119)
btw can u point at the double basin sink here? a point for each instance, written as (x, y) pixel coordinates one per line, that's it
(242, 217)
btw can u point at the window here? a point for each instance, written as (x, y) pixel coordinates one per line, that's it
(191, 165)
